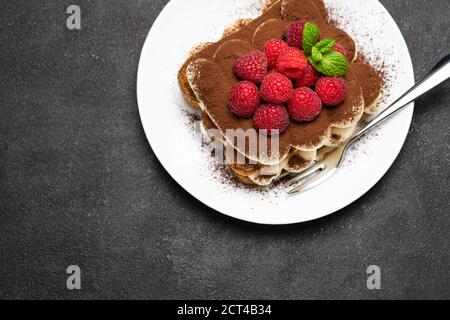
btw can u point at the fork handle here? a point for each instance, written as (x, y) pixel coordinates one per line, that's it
(437, 75)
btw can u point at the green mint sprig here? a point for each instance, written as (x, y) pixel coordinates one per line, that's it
(311, 34)
(333, 64)
(320, 53)
(325, 45)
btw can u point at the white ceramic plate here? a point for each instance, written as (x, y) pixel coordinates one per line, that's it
(184, 24)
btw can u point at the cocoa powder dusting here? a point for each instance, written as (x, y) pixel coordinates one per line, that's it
(271, 29)
(370, 80)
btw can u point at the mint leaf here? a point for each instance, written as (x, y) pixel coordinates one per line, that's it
(311, 34)
(316, 54)
(333, 64)
(325, 45)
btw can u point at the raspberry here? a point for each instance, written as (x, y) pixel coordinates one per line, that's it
(308, 78)
(339, 48)
(331, 90)
(272, 50)
(270, 117)
(276, 88)
(305, 105)
(251, 67)
(292, 63)
(244, 99)
(294, 34)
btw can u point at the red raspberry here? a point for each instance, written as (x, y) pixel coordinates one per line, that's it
(251, 67)
(339, 48)
(270, 117)
(276, 88)
(272, 50)
(244, 99)
(331, 90)
(292, 62)
(294, 34)
(308, 78)
(305, 105)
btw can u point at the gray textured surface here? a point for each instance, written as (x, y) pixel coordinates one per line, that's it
(79, 183)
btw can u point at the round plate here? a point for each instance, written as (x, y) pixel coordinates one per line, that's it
(170, 130)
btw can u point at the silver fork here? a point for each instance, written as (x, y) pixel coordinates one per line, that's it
(326, 168)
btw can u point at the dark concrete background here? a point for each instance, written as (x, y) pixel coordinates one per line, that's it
(79, 183)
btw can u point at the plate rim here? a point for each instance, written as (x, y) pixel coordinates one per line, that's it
(410, 109)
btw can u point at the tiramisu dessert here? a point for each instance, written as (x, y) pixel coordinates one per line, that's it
(291, 76)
